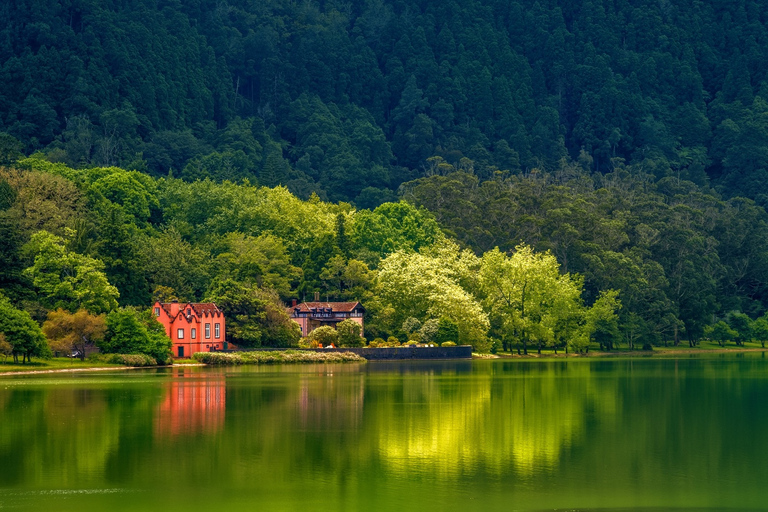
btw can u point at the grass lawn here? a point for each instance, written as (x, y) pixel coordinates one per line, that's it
(55, 363)
(670, 349)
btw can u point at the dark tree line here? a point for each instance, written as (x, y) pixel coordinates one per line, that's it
(351, 99)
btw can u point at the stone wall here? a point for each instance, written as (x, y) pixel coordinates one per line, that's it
(391, 353)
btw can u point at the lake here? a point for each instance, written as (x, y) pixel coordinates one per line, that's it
(578, 434)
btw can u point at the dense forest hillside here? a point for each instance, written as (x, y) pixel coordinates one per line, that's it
(350, 99)
(433, 159)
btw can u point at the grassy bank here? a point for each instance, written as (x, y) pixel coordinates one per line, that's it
(55, 364)
(272, 357)
(703, 347)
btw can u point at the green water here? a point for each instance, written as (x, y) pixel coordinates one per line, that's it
(471, 435)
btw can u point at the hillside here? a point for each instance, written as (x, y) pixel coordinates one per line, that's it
(350, 99)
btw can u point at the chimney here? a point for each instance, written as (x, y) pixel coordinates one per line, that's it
(317, 296)
(293, 303)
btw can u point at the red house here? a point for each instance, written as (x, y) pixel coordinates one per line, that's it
(311, 315)
(192, 326)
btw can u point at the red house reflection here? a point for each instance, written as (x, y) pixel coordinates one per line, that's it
(192, 405)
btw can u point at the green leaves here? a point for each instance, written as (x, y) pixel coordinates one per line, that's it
(67, 279)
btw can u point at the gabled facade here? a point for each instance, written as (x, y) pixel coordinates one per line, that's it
(311, 315)
(192, 326)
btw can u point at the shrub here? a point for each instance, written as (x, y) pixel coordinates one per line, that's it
(412, 343)
(307, 343)
(275, 356)
(448, 344)
(392, 341)
(124, 359)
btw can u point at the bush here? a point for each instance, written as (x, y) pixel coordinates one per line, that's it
(324, 336)
(412, 343)
(307, 343)
(392, 341)
(448, 344)
(274, 356)
(124, 359)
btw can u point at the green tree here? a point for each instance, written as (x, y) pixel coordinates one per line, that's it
(324, 335)
(255, 317)
(66, 279)
(349, 333)
(528, 295)
(721, 333)
(760, 330)
(447, 330)
(133, 331)
(740, 323)
(6, 349)
(23, 333)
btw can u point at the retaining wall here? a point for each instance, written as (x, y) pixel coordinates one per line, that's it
(393, 353)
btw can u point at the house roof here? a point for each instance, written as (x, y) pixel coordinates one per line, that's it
(200, 308)
(336, 307)
(204, 308)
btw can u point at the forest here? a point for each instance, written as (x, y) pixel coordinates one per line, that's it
(614, 152)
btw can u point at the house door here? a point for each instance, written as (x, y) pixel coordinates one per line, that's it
(181, 351)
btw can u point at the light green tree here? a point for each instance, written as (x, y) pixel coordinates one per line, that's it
(529, 297)
(428, 284)
(66, 279)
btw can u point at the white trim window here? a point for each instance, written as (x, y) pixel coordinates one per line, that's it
(207, 331)
(193, 334)
(217, 330)
(180, 334)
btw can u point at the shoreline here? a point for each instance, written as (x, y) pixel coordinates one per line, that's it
(671, 352)
(475, 356)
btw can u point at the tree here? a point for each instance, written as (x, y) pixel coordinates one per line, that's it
(67, 279)
(349, 333)
(447, 330)
(601, 321)
(527, 294)
(6, 349)
(431, 284)
(80, 331)
(133, 331)
(10, 149)
(23, 333)
(324, 335)
(760, 330)
(255, 317)
(740, 323)
(721, 333)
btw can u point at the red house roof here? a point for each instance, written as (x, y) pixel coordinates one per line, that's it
(336, 307)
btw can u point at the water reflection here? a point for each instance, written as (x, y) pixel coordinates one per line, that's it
(381, 436)
(194, 404)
